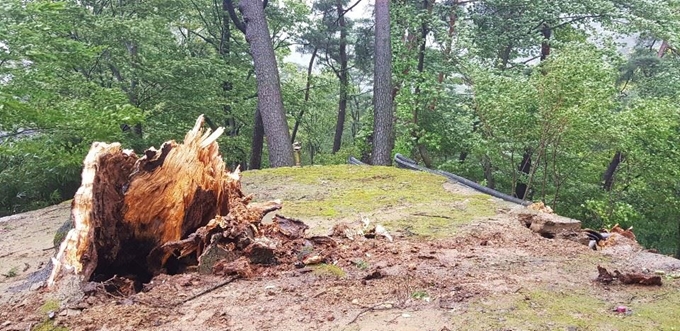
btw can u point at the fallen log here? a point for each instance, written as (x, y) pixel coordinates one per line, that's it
(140, 216)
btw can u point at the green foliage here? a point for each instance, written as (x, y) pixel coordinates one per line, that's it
(606, 215)
(420, 295)
(75, 72)
(340, 157)
(11, 273)
(361, 264)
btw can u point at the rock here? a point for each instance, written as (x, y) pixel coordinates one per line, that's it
(36, 286)
(547, 225)
(212, 254)
(261, 251)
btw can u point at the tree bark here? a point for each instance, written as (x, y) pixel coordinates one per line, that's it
(677, 253)
(342, 76)
(545, 44)
(270, 102)
(382, 87)
(257, 142)
(525, 168)
(608, 177)
(298, 119)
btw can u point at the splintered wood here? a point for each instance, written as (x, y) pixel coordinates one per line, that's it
(132, 215)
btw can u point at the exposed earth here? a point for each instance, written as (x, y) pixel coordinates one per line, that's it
(459, 260)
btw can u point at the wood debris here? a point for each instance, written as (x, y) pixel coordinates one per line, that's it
(606, 277)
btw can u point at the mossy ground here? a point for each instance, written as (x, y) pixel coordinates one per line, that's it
(575, 309)
(449, 243)
(417, 203)
(47, 324)
(49, 305)
(329, 270)
(411, 202)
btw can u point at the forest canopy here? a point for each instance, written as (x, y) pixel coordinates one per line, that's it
(574, 103)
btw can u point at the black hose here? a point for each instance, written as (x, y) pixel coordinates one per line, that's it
(404, 162)
(353, 161)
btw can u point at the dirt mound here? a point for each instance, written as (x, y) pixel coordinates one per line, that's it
(458, 259)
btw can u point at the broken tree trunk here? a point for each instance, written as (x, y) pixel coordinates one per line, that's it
(128, 208)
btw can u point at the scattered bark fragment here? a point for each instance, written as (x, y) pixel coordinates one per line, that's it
(240, 267)
(289, 227)
(637, 278)
(606, 277)
(377, 274)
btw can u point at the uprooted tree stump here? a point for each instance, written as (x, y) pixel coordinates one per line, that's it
(140, 216)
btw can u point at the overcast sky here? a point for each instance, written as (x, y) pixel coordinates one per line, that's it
(361, 10)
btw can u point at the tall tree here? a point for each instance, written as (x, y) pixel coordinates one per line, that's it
(329, 39)
(342, 76)
(308, 86)
(269, 100)
(382, 87)
(619, 156)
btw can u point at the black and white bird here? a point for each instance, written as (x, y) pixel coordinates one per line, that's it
(596, 237)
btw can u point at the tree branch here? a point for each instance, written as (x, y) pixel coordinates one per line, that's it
(346, 10)
(229, 4)
(207, 40)
(576, 19)
(205, 23)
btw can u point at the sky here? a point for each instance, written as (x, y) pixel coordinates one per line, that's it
(361, 10)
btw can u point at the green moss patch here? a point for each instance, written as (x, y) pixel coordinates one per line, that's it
(331, 270)
(48, 325)
(415, 202)
(49, 305)
(541, 309)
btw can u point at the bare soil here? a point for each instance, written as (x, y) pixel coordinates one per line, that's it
(491, 273)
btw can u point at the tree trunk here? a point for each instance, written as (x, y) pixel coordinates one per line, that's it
(521, 188)
(133, 216)
(677, 253)
(488, 172)
(342, 75)
(608, 176)
(257, 142)
(270, 102)
(298, 119)
(225, 37)
(382, 87)
(545, 44)
(422, 150)
(453, 17)
(525, 168)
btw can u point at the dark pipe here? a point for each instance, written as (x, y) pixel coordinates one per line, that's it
(404, 162)
(353, 161)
